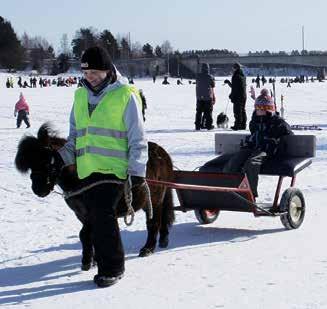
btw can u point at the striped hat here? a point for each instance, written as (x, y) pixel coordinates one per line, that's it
(264, 102)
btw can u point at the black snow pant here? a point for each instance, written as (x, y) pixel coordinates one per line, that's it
(203, 114)
(101, 202)
(22, 116)
(239, 115)
(248, 161)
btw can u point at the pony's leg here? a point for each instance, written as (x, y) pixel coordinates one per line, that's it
(87, 247)
(167, 218)
(153, 230)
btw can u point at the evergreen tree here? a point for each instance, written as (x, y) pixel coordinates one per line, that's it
(84, 38)
(148, 50)
(158, 51)
(125, 49)
(11, 51)
(108, 42)
(63, 63)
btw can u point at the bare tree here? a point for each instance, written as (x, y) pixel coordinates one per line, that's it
(64, 45)
(137, 51)
(166, 48)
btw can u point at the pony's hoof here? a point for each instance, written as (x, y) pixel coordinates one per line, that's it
(163, 243)
(145, 252)
(86, 267)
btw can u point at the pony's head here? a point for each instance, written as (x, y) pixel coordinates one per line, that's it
(38, 155)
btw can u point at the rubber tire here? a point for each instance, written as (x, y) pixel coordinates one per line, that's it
(292, 219)
(204, 217)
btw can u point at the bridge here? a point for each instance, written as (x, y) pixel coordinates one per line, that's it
(310, 61)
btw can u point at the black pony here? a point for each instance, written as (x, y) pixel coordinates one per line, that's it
(39, 155)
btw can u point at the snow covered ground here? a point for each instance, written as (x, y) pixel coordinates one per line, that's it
(237, 262)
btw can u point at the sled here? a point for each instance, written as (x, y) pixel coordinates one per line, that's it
(209, 191)
(305, 127)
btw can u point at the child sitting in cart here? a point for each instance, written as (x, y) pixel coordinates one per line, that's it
(266, 127)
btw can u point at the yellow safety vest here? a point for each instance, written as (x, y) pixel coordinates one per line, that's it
(101, 142)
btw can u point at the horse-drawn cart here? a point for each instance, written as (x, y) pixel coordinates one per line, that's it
(209, 191)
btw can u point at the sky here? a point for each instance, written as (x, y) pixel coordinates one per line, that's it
(237, 25)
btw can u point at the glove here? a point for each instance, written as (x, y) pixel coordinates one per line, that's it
(271, 146)
(137, 181)
(248, 143)
(226, 81)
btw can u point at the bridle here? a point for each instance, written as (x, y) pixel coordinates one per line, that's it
(51, 170)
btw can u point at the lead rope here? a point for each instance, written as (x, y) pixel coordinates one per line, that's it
(129, 199)
(70, 194)
(148, 195)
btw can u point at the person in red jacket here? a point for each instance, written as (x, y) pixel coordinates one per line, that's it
(23, 110)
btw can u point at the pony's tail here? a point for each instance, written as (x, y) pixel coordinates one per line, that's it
(168, 215)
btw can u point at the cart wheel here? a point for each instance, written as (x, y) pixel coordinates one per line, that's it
(292, 202)
(206, 216)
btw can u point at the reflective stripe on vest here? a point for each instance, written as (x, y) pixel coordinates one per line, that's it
(101, 142)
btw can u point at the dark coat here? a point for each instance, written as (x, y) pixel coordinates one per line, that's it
(238, 85)
(204, 84)
(266, 132)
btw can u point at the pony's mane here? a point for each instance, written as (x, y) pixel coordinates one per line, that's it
(48, 135)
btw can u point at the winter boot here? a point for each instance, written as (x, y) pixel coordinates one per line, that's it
(105, 281)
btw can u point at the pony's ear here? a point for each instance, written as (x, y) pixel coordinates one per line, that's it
(27, 148)
(47, 136)
(45, 133)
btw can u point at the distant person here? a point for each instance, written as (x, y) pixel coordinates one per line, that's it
(263, 80)
(34, 81)
(19, 83)
(154, 78)
(165, 81)
(26, 85)
(238, 97)
(8, 83)
(11, 82)
(257, 81)
(144, 106)
(205, 98)
(23, 110)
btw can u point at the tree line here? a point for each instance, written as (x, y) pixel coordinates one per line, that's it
(18, 52)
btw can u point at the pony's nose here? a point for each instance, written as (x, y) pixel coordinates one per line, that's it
(39, 191)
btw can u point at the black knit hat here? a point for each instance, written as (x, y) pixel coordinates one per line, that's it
(96, 58)
(237, 65)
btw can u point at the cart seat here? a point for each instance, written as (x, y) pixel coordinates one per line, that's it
(296, 152)
(281, 166)
(285, 166)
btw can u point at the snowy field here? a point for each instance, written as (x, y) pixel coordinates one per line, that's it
(237, 262)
